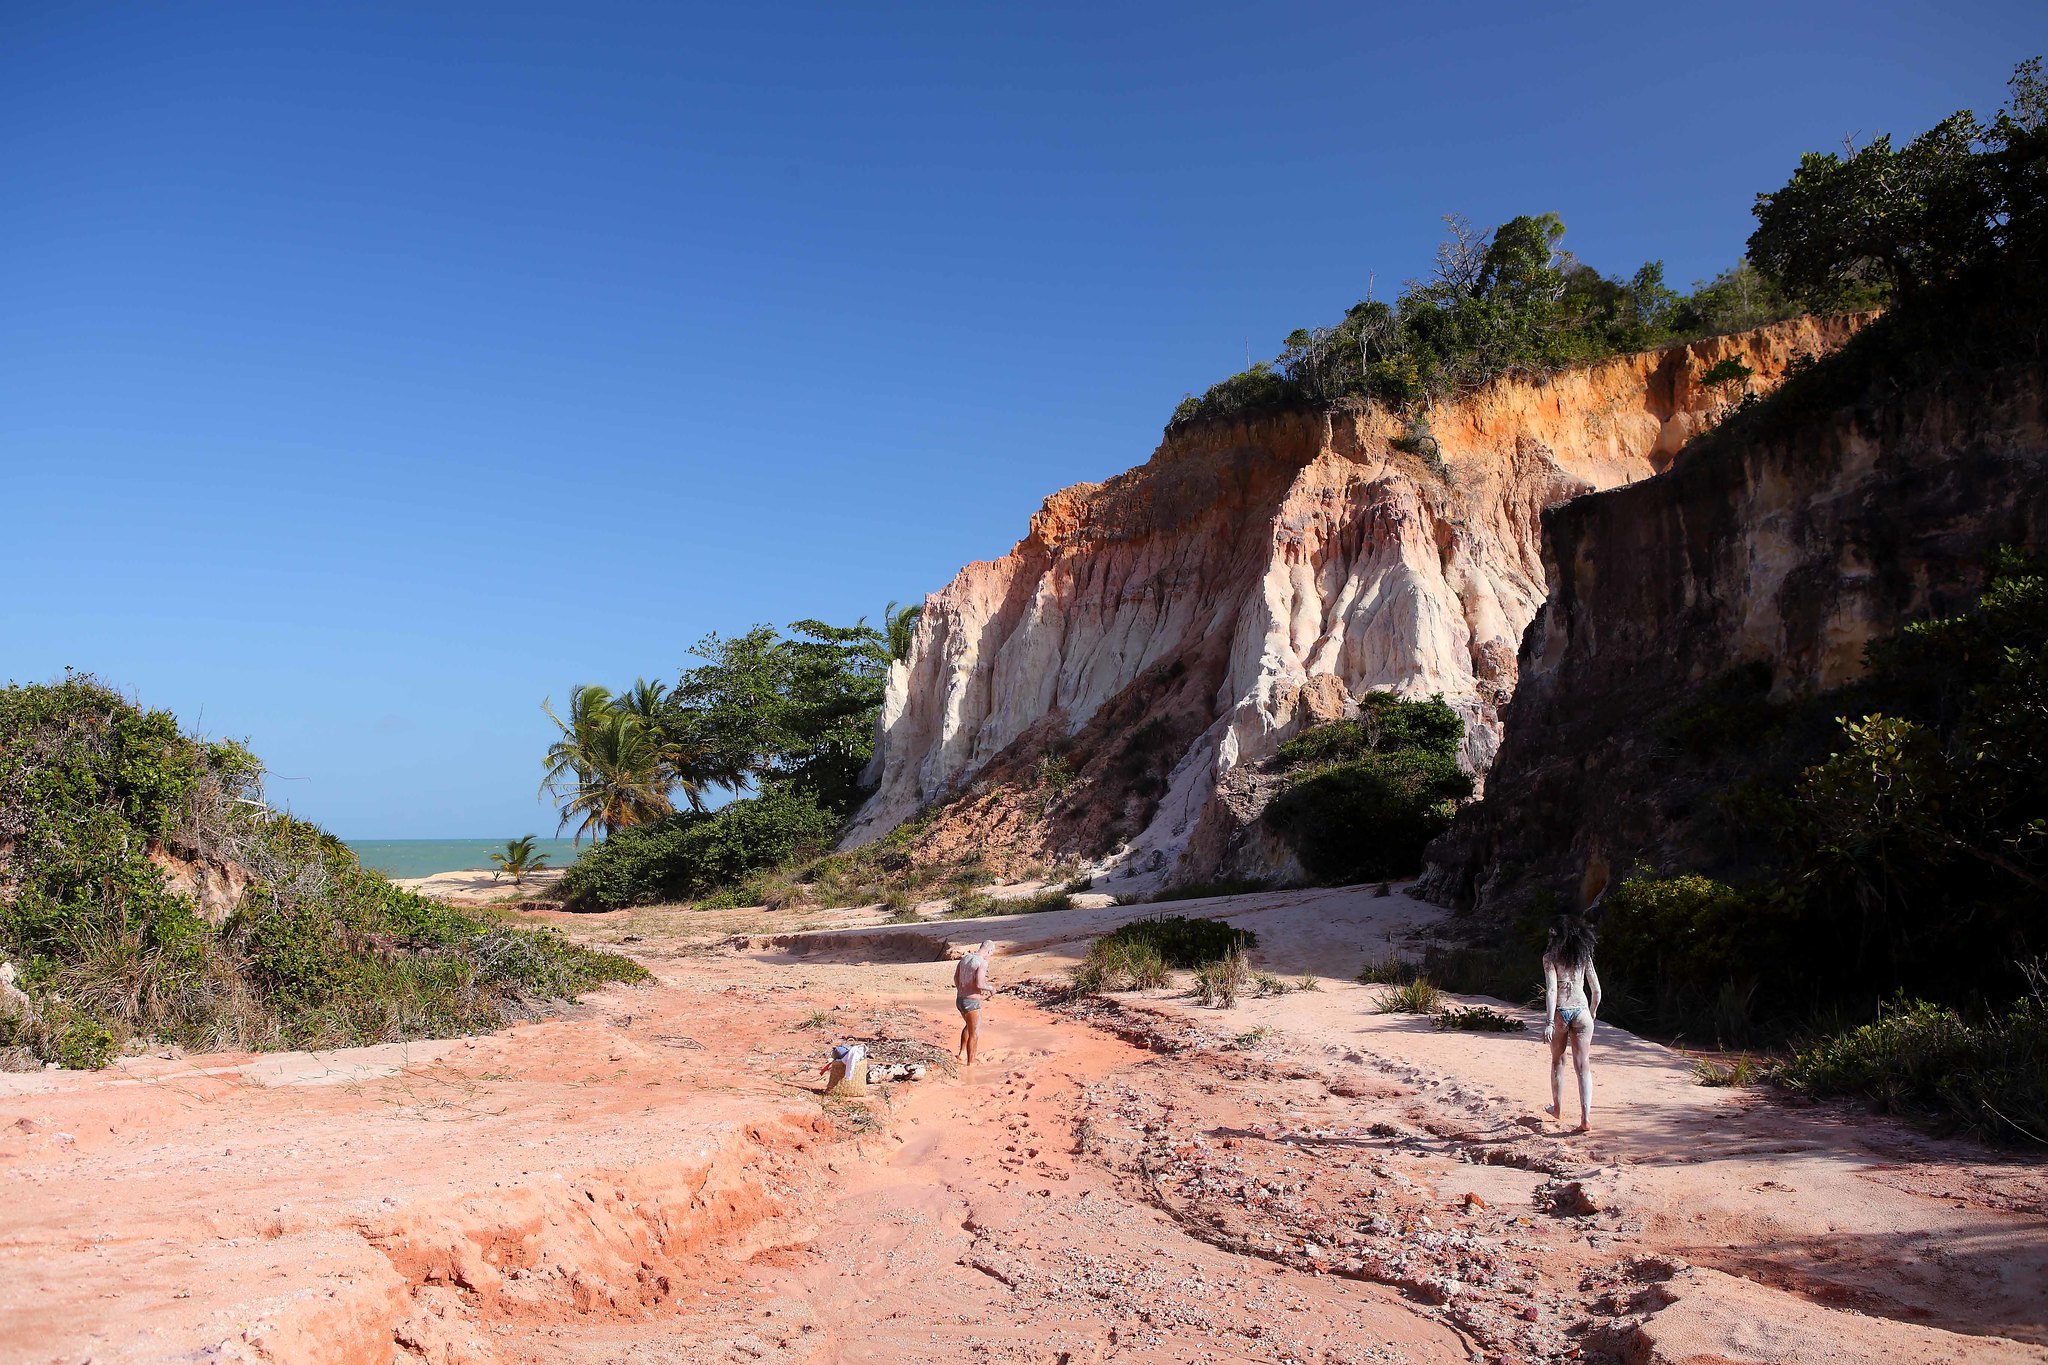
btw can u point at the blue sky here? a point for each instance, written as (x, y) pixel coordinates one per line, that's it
(368, 373)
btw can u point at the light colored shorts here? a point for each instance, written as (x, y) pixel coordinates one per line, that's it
(964, 1003)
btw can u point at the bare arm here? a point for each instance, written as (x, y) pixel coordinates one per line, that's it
(1593, 988)
(1549, 998)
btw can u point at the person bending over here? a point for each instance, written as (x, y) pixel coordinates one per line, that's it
(970, 985)
(1572, 998)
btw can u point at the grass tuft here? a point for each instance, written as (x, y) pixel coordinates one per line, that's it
(1419, 996)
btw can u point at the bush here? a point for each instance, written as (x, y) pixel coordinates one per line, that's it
(1365, 795)
(1676, 947)
(1385, 724)
(1184, 942)
(319, 952)
(1479, 1019)
(691, 855)
(1930, 1063)
(1372, 817)
(1198, 891)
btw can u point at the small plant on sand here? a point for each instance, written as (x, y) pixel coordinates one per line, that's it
(1743, 1070)
(1267, 983)
(1219, 983)
(519, 861)
(1388, 969)
(1250, 1038)
(816, 1019)
(1419, 996)
(1479, 1019)
(981, 905)
(1309, 982)
(1112, 966)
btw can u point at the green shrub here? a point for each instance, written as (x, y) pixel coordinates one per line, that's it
(1988, 1076)
(1686, 952)
(1371, 817)
(1728, 371)
(318, 952)
(1385, 723)
(1182, 941)
(691, 855)
(1479, 1019)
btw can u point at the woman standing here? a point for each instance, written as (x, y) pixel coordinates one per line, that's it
(1572, 998)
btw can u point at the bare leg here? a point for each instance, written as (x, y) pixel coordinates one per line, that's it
(1557, 1045)
(970, 1034)
(1582, 1061)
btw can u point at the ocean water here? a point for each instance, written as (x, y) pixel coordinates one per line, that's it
(425, 857)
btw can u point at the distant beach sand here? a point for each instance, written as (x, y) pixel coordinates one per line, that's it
(481, 886)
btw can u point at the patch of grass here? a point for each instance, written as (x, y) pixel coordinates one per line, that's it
(816, 1019)
(1744, 1070)
(1250, 1038)
(1195, 891)
(1220, 982)
(981, 905)
(1267, 983)
(1388, 969)
(1419, 996)
(1186, 942)
(1309, 982)
(1479, 1019)
(1113, 965)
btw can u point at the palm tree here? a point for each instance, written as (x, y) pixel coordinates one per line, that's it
(519, 861)
(900, 626)
(609, 766)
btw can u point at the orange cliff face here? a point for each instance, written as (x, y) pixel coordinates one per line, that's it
(1103, 691)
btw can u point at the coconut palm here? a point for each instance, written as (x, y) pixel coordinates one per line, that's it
(519, 861)
(608, 767)
(900, 626)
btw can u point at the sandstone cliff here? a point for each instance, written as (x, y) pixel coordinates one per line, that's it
(1772, 552)
(1103, 690)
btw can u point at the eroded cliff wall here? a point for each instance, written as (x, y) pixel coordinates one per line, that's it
(1777, 548)
(1101, 690)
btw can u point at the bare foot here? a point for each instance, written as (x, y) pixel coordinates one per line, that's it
(1585, 1127)
(1550, 1109)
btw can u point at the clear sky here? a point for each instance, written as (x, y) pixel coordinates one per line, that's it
(369, 372)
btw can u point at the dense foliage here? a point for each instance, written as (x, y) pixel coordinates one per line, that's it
(692, 854)
(1364, 796)
(1847, 231)
(1512, 299)
(783, 723)
(318, 952)
(1987, 1073)
(1183, 941)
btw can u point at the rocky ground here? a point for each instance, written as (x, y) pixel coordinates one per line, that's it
(655, 1176)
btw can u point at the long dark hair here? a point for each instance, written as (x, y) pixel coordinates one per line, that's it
(1571, 942)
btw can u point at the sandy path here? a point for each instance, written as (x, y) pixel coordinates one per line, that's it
(1844, 1210)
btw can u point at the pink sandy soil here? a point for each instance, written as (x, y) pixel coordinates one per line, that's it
(655, 1177)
